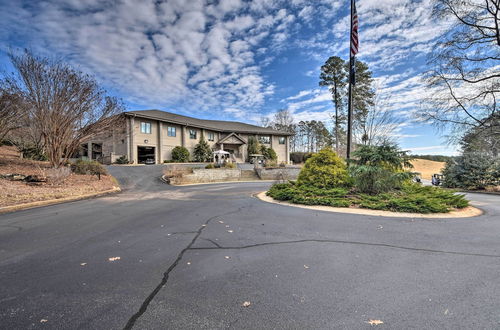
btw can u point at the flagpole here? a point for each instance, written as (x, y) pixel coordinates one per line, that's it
(349, 105)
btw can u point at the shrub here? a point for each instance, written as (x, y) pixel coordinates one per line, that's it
(180, 154)
(210, 166)
(230, 165)
(324, 170)
(268, 153)
(202, 151)
(122, 160)
(411, 198)
(89, 167)
(472, 170)
(379, 169)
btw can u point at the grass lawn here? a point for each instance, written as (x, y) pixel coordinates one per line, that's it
(412, 198)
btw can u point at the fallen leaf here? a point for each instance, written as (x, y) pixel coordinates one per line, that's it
(446, 312)
(246, 304)
(83, 264)
(221, 221)
(203, 225)
(374, 322)
(306, 266)
(114, 258)
(43, 320)
(227, 257)
(229, 231)
(227, 226)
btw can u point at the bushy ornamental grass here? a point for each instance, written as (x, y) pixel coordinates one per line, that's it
(411, 198)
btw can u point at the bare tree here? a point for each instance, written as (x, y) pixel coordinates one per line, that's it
(265, 121)
(465, 79)
(65, 106)
(378, 124)
(11, 111)
(283, 120)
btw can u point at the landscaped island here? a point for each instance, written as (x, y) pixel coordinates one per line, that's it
(376, 180)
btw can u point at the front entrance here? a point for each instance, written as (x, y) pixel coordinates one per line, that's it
(146, 155)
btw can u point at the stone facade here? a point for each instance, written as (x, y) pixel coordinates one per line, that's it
(281, 173)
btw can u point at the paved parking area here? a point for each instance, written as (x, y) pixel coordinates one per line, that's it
(156, 257)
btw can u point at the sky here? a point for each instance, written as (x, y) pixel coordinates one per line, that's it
(234, 59)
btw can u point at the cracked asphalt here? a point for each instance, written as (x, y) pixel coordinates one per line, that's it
(191, 256)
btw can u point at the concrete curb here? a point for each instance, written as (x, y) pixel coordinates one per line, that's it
(467, 212)
(30, 205)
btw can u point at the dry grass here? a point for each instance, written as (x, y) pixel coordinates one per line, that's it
(427, 168)
(60, 184)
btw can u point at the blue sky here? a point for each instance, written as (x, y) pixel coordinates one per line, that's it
(234, 59)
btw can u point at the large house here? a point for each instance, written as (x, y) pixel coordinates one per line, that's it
(152, 134)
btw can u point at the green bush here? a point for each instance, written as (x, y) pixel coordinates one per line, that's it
(180, 155)
(88, 167)
(229, 165)
(210, 166)
(324, 170)
(472, 170)
(202, 151)
(411, 198)
(268, 153)
(379, 169)
(122, 160)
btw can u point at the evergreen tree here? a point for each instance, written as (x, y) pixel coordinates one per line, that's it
(202, 151)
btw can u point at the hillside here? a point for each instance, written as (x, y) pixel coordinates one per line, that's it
(427, 167)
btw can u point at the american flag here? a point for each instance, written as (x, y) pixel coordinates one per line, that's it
(354, 31)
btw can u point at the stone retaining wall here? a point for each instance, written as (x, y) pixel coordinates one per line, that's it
(287, 173)
(210, 175)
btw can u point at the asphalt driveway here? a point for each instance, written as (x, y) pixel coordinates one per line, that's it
(161, 257)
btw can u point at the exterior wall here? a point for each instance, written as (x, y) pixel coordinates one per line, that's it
(281, 149)
(114, 144)
(144, 139)
(191, 143)
(170, 142)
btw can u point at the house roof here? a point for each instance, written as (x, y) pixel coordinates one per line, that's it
(216, 125)
(224, 139)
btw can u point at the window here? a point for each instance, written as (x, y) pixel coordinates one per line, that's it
(211, 137)
(265, 139)
(192, 134)
(282, 140)
(171, 131)
(146, 128)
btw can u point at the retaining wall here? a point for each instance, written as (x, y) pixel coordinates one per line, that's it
(287, 173)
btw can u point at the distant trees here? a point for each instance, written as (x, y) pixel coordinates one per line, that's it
(61, 107)
(465, 79)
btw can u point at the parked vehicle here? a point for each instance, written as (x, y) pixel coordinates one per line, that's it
(437, 179)
(149, 161)
(417, 178)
